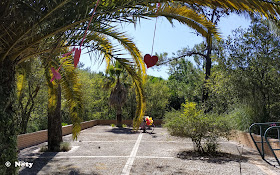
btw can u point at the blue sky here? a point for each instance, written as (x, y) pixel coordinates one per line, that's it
(168, 38)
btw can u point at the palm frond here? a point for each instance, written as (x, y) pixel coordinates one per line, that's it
(266, 8)
(118, 95)
(72, 91)
(188, 17)
(138, 79)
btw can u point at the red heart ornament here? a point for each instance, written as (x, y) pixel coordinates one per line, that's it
(150, 61)
(77, 56)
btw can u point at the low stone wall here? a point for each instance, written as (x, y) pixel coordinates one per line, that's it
(30, 139)
(26, 140)
(244, 138)
(127, 122)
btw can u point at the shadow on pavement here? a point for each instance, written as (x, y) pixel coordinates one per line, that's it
(38, 163)
(121, 131)
(218, 158)
(42, 162)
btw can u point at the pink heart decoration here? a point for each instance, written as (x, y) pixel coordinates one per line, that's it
(56, 75)
(77, 56)
(150, 61)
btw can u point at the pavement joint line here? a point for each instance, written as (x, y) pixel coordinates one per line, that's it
(120, 141)
(263, 168)
(67, 157)
(88, 141)
(153, 157)
(74, 148)
(130, 160)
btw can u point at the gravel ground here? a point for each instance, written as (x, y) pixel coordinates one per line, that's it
(104, 150)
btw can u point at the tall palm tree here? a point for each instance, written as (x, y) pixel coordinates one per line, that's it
(27, 25)
(71, 88)
(119, 92)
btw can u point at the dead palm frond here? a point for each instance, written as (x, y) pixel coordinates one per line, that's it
(118, 95)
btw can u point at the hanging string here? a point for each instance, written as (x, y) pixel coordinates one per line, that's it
(158, 5)
(89, 23)
(77, 51)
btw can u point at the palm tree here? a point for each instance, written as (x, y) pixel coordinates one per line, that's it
(118, 94)
(27, 25)
(71, 88)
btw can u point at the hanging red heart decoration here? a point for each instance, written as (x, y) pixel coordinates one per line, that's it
(150, 61)
(77, 56)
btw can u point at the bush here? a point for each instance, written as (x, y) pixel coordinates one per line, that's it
(64, 147)
(242, 116)
(124, 125)
(200, 127)
(64, 124)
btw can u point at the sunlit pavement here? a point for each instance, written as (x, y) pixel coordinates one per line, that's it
(113, 151)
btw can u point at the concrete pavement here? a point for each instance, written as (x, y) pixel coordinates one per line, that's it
(104, 150)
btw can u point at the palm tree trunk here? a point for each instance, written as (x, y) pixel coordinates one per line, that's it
(54, 118)
(119, 117)
(208, 65)
(207, 75)
(8, 134)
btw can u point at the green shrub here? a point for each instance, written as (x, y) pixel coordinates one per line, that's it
(64, 147)
(64, 124)
(113, 125)
(124, 125)
(242, 116)
(203, 129)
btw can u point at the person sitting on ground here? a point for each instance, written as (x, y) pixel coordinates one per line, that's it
(147, 121)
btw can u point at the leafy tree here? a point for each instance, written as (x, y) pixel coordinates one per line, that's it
(245, 82)
(157, 95)
(212, 12)
(95, 97)
(29, 80)
(185, 81)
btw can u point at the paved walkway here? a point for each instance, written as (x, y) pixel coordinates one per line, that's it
(104, 150)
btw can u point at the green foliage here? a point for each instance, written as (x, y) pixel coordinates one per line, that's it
(8, 127)
(64, 124)
(246, 78)
(64, 147)
(95, 97)
(185, 81)
(29, 78)
(157, 94)
(130, 106)
(241, 117)
(113, 125)
(124, 125)
(34, 22)
(198, 126)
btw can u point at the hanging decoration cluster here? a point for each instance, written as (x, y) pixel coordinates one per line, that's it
(149, 60)
(77, 51)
